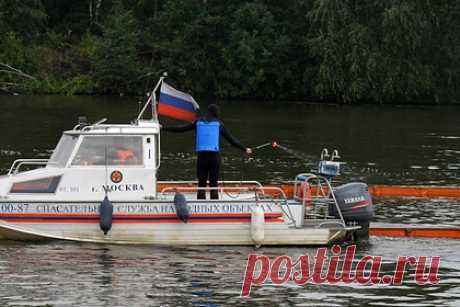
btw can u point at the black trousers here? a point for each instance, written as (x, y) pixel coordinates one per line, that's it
(207, 167)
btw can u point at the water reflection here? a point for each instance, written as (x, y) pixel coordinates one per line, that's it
(60, 274)
(105, 267)
(418, 211)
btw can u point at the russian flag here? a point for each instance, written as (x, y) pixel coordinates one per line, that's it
(176, 104)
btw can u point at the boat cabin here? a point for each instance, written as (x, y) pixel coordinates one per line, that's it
(90, 161)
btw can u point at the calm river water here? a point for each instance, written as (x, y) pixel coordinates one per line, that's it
(380, 144)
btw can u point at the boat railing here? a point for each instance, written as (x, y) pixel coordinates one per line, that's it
(20, 162)
(222, 184)
(322, 194)
(89, 126)
(257, 190)
(234, 182)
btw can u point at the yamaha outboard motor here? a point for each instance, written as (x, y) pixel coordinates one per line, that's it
(356, 206)
(181, 207)
(105, 215)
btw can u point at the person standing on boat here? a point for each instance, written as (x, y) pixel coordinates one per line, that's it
(208, 130)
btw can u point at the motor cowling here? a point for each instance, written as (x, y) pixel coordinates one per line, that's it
(355, 203)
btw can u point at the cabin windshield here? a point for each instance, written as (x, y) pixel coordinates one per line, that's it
(63, 151)
(109, 150)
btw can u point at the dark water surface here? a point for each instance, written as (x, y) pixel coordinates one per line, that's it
(381, 144)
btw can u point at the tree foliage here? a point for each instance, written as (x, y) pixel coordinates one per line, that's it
(116, 64)
(26, 18)
(373, 52)
(256, 55)
(335, 50)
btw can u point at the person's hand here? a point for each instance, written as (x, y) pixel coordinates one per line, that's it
(248, 151)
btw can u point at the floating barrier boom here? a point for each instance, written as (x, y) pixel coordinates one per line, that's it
(419, 231)
(396, 191)
(414, 191)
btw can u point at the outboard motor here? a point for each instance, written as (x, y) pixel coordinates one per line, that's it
(356, 206)
(105, 215)
(182, 211)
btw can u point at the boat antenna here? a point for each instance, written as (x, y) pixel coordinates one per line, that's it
(139, 104)
(106, 207)
(106, 188)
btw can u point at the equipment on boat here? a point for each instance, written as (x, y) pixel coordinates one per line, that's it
(273, 144)
(355, 205)
(257, 225)
(106, 215)
(354, 201)
(82, 122)
(182, 210)
(351, 202)
(329, 168)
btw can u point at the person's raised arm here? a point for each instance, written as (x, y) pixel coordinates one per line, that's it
(181, 128)
(232, 140)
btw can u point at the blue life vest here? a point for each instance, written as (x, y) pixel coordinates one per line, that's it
(207, 135)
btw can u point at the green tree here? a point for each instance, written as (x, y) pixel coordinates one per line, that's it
(25, 17)
(372, 52)
(444, 50)
(185, 39)
(408, 31)
(20, 24)
(348, 50)
(256, 54)
(116, 63)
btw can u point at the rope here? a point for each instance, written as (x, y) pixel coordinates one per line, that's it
(275, 145)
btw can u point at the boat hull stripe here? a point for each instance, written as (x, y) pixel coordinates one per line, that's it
(136, 219)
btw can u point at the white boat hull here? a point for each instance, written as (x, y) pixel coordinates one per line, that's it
(211, 234)
(211, 223)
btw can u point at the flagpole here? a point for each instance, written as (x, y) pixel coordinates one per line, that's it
(154, 105)
(154, 102)
(152, 99)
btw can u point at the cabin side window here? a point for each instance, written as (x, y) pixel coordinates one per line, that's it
(109, 150)
(63, 151)
(44, 185)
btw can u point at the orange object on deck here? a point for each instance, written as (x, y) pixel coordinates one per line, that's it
(416, 232)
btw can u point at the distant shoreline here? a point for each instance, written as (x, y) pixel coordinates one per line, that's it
(271, 102)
